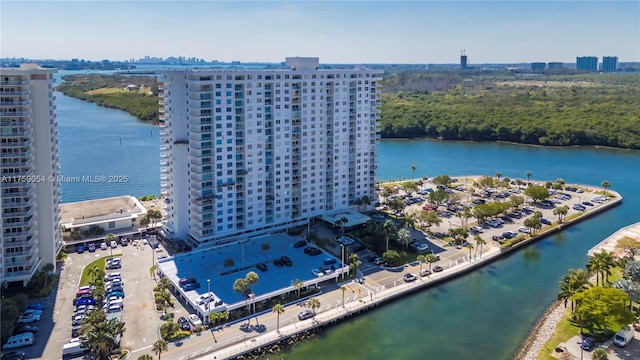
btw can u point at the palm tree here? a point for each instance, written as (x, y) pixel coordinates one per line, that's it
(430, 217)
(561, 211)
(599, 354)
(313, 304)
(366, 201)
(404, 238)
(606, 185)
(343, 288)
(100, 334)
(354, 262)
(266, 247)
(95, 273)
(228, 263)
(159, 347)
(410, 221)
(528, 175)
(298, 284)
(241, 286)
(572, 283)
(498, 176)
(422, 259)
(479, 241)
(145, 357)
(108, 239)
(278, 309)
(388, 228)
(252, 278)
(431, 258)
(413, 170)
(470, 246)
(163, 284)
(608, 262)
(343, 221)
(359, 204)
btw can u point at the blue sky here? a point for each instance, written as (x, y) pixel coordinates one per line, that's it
(335, 31)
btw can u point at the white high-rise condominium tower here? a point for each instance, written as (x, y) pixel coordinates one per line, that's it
(29, 194)
(249, 151)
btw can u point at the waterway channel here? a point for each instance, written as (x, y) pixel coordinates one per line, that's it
(483, 315)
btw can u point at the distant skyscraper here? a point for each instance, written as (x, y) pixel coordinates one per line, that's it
(610, 63)
(248, 151)
(538, 66)
(555, 65)
(29, 192)
(588, 63)
(463, 60)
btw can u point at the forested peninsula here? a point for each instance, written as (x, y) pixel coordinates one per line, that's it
(537, 109)
(561, 110)
(137, 95)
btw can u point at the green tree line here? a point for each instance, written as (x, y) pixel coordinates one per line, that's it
(588, 111)
(140, 105)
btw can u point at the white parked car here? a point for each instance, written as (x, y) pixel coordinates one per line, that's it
(477, 229)
(103, 246)
(523, 229)
(195, 320)
(114, 244)
(205, 298)
(317, 273)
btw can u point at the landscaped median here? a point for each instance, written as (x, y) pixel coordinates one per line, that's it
(99, 263)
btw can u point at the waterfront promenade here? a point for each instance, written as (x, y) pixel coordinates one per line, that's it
(235, 340)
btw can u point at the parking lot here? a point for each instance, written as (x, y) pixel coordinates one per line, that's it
(140, 318)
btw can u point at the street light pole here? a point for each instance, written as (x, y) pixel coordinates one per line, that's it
(209, 299)
(342, 263)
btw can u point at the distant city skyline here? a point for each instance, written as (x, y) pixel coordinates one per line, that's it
(337, 32)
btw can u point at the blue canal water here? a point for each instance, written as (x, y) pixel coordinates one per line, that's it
(482, 315)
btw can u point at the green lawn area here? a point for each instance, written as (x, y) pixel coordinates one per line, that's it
(563, 332)
(100, 263)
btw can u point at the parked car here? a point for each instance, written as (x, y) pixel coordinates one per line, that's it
(545, 221)
(299, 244)
(36, 306)
(24, 329)
(184, 323)
(205, 298)
(313, 251)
(523, 229)
(91, 247)
(437, 268)
(191, 286)
(425, 272)
(421, 247)
(317, 273)
(286, 260)
(80, 249)
(587, 343)
(304, 315)
(13, 355)
(103, 246)
(579, 207)
(88, 301)
(587, 203)
(29, 318)
(185, 281)
(114, 244)
(195, 320)
(262, 267)
(330, 261)
(409, 278)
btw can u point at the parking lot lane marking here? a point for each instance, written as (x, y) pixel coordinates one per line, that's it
(142, 348)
